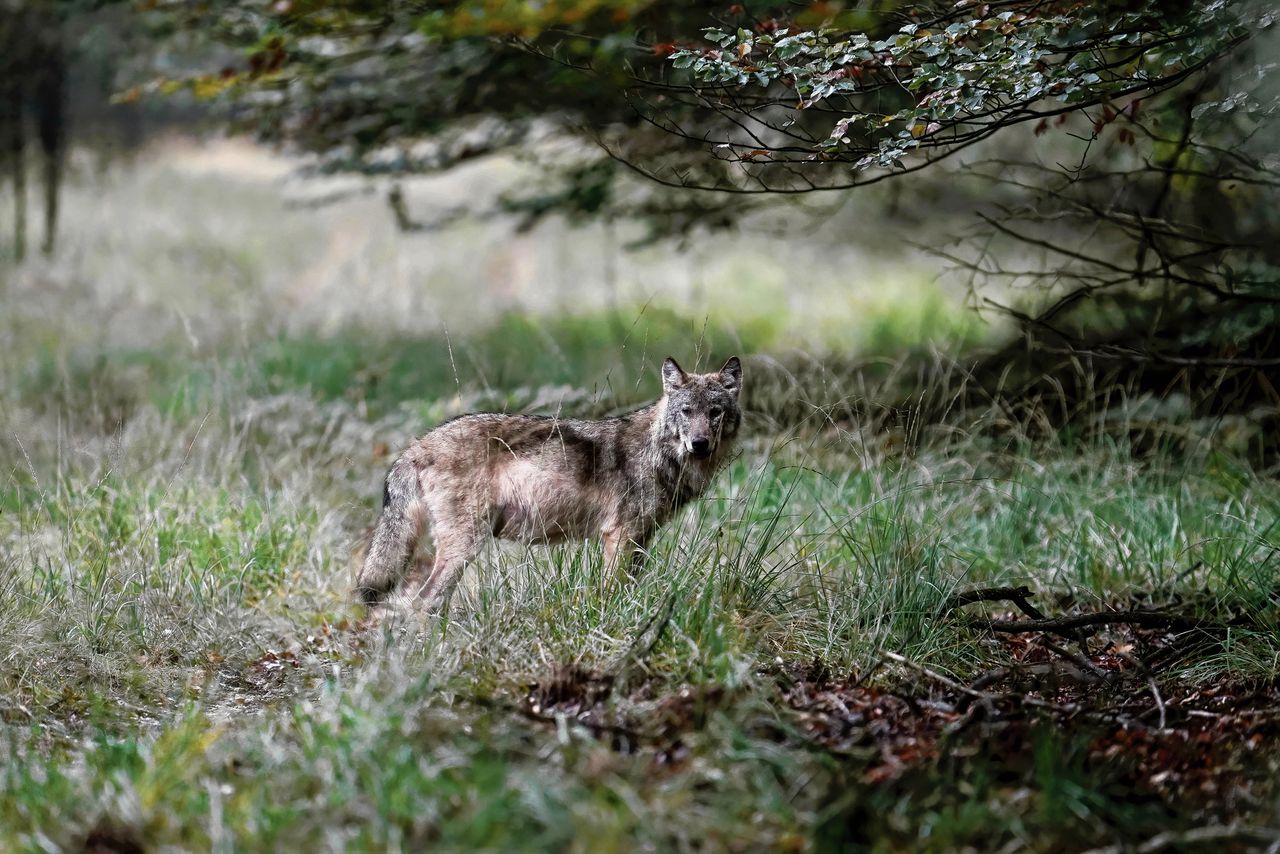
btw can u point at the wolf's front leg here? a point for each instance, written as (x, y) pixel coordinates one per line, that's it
(624, 552)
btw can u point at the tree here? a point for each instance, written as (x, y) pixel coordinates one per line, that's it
(32, 86)
(1178, 281)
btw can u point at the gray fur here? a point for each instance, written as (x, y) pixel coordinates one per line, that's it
(546, 480)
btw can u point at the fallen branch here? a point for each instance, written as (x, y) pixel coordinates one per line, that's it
(1068, 626)
(1019, 596)
(1062, 625)
(1155, 692)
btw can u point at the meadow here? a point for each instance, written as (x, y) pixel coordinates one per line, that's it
(200, 395)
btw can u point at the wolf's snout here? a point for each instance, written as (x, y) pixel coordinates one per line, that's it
(700, 448)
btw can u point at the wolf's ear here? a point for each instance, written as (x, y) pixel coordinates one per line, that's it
(673, 376)
(731, 375)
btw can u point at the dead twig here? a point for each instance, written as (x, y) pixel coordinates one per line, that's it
(553, 718)
(1020, 596)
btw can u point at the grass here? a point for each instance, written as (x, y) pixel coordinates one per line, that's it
(181, 665)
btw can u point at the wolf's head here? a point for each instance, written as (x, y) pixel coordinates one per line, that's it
(701, 409)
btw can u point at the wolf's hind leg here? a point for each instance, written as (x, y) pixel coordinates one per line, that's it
(395, 536)
(455, 548)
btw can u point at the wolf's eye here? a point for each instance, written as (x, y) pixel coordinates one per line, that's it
(715, 412)
(686, 410)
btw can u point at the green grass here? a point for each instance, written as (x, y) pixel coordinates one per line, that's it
(598, 360)
(181, 664)
(608, 355)
(146, 590)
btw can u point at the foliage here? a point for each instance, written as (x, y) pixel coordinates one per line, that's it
(952, 78)
(365, 84)
(1148, 234)
(373, 86)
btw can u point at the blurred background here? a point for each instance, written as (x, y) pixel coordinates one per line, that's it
(189, 251)
(515, 205)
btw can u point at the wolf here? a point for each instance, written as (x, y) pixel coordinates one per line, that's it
(543, 480)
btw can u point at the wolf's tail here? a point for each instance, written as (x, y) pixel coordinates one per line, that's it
(396, 534)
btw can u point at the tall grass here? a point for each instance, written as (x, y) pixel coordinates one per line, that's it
(159, 592)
